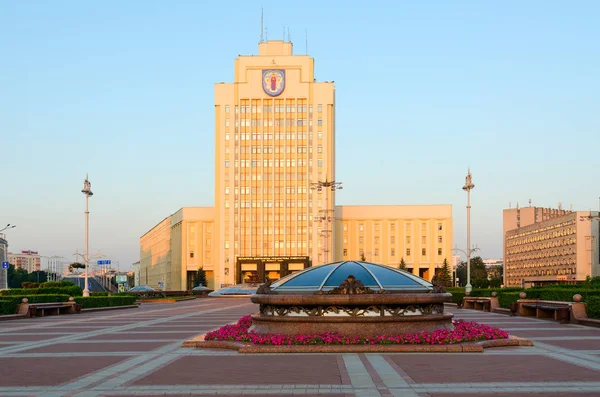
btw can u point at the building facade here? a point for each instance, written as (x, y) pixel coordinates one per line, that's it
(274, 211)
(28, 260)
(550, 246)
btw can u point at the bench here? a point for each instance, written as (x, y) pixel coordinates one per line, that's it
(43, 309)
(557, 311)
(487, 304)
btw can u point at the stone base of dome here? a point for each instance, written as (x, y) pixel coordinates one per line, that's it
(351, 326)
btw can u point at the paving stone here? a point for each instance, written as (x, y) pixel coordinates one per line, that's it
(480, 368)
(50, 371)
(575, 344)
(251, 370)
(97, 347)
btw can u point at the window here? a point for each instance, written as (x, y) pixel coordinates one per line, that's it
(320, 162)
(439, 251)
(320, 108)
(424, 251)
(393, 227)
(423, 226)
(345, 240)
(407, 239)
(408, 252)
(345, 227)
(377, 240)
(361, 228)
(226, 244)
(226, 189)
(345, 252)
(440, 239)
(320, 122)
(393, 240)
(226, 163)
(191, 254)
(376, 252)
(360, 240)
(377, 227)
(226, 137)
(226, 122)
(226, 108)
(439, 226)
(392, 252)
(424, 240)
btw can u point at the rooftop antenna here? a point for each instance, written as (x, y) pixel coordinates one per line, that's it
(262, 20)
(571, 207)
(559, 206)
(289, 37)
(267, 34)
(306, 41)
(530, 202)
(510, 205)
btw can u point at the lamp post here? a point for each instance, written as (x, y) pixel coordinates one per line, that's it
(4, 257)
(87, 191)
(319, 186)
(467, 188)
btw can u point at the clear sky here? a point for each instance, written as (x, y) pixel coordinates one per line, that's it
(124, 90)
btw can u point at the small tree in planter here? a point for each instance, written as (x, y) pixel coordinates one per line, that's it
(402, 265)
(201, 277)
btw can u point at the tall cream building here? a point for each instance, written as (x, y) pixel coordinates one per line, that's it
(275, 190)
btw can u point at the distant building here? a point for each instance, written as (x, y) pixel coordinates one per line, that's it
(549, 246)
(28, 260)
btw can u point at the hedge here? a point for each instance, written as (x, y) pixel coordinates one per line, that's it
(8, 304)
(98, 293)
(71, 291)
(88, 302)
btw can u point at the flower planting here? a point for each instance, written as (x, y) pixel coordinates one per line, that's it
(463, 332)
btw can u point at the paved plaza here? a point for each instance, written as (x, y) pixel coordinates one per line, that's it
(137, 352)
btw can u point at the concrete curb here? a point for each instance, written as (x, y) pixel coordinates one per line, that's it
(99, 309)
(472, 347)
(7, 317)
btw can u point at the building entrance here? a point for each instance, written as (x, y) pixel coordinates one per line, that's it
(255, 269)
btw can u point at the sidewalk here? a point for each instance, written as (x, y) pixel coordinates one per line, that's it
(138, 353)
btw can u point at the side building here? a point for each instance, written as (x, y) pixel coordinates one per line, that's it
(28, 260)
(550, 246)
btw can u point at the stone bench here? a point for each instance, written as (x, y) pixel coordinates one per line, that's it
(487, 304)
(44, 309)
(557, 311)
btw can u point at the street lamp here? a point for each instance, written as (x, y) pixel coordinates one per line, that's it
(319, 186)
(467, 188)
(9, 226)
(87, 191)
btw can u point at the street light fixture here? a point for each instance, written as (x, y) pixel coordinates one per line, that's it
(319, 186)
(9, 226)
(87, 191)
(467, 188)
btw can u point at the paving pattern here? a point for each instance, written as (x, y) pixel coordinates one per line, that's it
(137, 352)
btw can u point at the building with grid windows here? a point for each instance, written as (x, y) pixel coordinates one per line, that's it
(275, 190)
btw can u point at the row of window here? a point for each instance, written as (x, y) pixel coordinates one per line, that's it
(277, 243)
(278, 136)
(273, 123)
(268, 163)
(274, 109)
(268, 149)
(392, 252)
(361, 226)
(269, 190)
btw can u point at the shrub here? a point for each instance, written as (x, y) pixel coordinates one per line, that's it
(71, 291)
(593, 307)
(98, 293)
(8, 304)
(88, 302)
(29, 285)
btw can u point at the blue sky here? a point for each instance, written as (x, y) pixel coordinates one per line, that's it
(425, 89)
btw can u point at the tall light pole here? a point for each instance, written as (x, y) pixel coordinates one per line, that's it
(87, 191)
(467, 188)
(331, 186)
(4, 257)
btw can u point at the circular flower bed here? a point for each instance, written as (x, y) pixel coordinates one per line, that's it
(463, 332)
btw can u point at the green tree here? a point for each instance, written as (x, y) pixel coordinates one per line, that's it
(16, 276)
(478, 273)
(445, 274)
(201, 277)
(402, 265)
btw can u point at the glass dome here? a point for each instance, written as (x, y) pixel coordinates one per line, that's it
(372, 275)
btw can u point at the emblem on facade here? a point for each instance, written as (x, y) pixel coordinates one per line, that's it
(273, 81)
